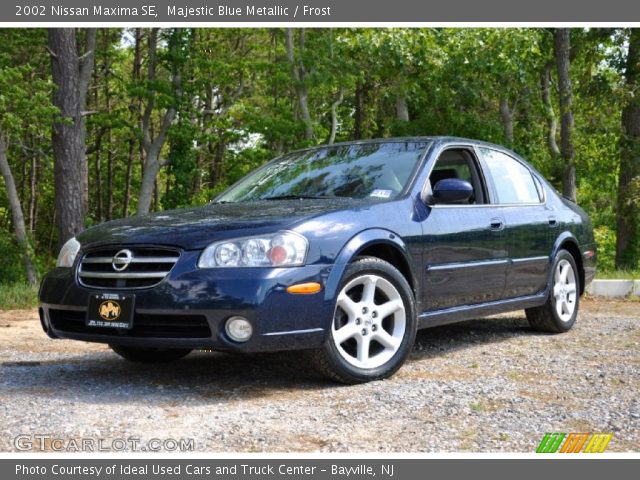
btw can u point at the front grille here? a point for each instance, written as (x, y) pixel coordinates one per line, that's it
(146, 267)
(144, 325)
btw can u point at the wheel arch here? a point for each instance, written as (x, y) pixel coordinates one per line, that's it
(379, 243)
(567, 241)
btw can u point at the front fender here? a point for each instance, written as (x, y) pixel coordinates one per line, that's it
(357, 244)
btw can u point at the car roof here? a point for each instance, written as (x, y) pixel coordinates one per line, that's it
(434, 139)
(440, 139)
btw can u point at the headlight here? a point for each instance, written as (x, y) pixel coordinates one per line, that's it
(68, 253)
(282, 249)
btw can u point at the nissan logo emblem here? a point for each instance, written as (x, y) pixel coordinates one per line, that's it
(121, 260)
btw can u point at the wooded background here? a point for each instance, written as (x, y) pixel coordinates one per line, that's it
(97, 124)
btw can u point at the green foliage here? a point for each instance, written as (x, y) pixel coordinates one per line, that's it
(237, 109)
(17, 295)
(606, 240)
(26, 111)
(618, 274)
(182, 166)
(11, 270)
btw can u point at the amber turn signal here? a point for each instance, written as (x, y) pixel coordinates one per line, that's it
(305, 288)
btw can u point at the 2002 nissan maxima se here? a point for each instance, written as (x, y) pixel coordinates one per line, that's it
(343, 250)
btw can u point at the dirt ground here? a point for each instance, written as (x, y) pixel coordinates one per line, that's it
(486, 385)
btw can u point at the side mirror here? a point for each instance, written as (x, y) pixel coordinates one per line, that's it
(452, 190)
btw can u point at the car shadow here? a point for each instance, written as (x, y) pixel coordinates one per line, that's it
(210, 377)
(445, 339)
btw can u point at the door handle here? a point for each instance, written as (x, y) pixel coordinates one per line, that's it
(497, 224)
(553, 221)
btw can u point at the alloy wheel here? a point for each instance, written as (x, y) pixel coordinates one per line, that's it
(564, 290)
(370, 321)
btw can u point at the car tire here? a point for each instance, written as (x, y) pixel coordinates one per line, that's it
(374, 325)
(150, 355)
(560, 311)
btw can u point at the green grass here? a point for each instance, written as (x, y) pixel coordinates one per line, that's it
(478, 407)
(15, 296)
(618, 275)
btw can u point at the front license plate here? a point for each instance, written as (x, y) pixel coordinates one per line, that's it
(110, 310)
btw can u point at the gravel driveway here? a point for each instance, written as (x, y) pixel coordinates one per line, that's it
(487, 385)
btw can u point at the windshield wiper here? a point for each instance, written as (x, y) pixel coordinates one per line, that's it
(301, 197)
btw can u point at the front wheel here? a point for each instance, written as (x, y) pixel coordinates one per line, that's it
(150, 355)
(559, 313)
(374, 324)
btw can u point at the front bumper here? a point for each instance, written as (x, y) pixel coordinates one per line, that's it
(189, 307)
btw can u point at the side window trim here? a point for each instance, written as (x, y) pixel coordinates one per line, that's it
(494, 192)
(541, 193)
(471, 149)
(479, 175)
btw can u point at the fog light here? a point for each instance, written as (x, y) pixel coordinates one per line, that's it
(239, 329)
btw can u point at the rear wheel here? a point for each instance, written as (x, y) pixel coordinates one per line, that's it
(374, 324)
(559, 313)
(150, 355)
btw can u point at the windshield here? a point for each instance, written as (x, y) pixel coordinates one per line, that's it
(370, 170)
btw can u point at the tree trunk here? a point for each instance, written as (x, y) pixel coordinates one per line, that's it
(95, 182)
(197, 181)
(334, 116)
(33, 193)
(627, 215)
(552, 122)
(149, 173)
(109, 178)
(23, 179)
(209, 133)
(156, 195)
(106, 69)
(153, 147)
(98, 173)
(71, 75)
(562, 39)
(402, 109)
(109, 161)
(358, 117)
(135, 119)
(16, 214)
(298, 73)
(379, 120)
(506, 114)
(217, 151)
(127, 181)
(86, 63)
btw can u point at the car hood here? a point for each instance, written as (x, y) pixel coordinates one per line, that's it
(194, 228)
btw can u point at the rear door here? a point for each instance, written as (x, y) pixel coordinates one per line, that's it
(464, 255)
(529, 223)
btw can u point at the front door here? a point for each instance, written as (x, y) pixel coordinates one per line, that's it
(464, 255)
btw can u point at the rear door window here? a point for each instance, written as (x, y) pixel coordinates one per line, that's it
(513, 181)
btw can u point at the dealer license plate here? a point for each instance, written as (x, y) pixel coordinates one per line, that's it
(110, 310)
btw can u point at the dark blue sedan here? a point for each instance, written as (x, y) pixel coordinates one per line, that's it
(342, 250)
